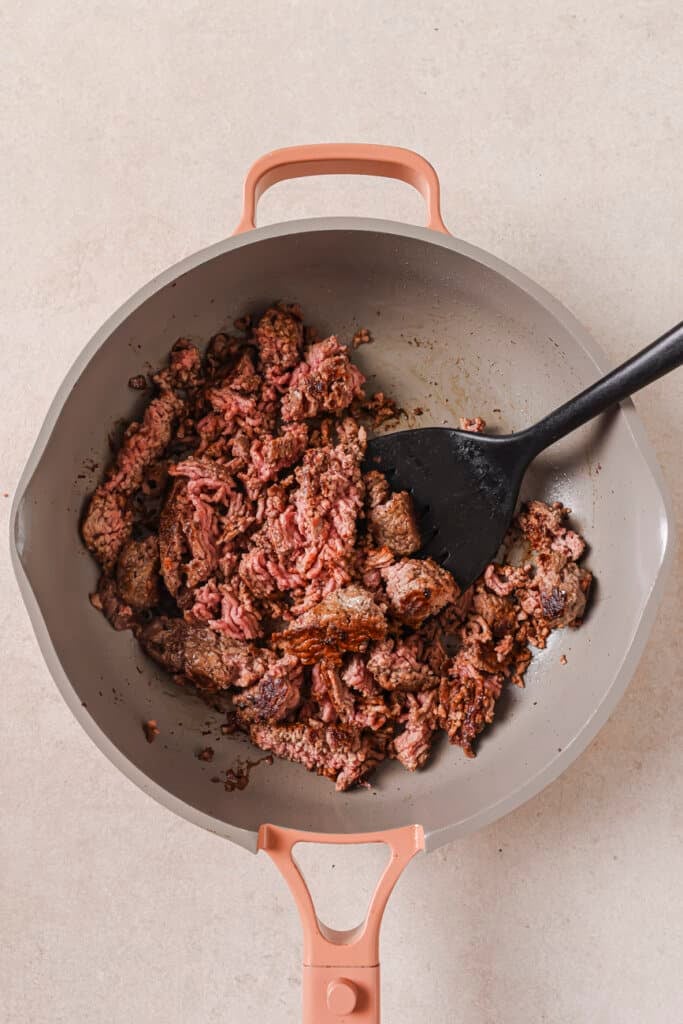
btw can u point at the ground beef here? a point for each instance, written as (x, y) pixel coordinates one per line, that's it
(137, 573)
(242, 542)
(174, 527)
(399, 664)
(109, 519)
(377, 489)
(417, 589)
(347, 620)
(498, 612)
(378, 409)
(270, 455)
(558, 592)
(468, 696)
(544, 527)
(339, 703)
(276, 695)
(108, 601)
(344, 755)
(413, 745)
(205, 657)
(107, 525)
(392, 524)
(279, 337)
(326, 381)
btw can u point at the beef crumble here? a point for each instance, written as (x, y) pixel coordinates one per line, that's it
(391, 518)
(346, 620)
(241, 541)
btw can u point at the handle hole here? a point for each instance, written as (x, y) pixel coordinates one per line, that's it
(341, 195)
(341, 879)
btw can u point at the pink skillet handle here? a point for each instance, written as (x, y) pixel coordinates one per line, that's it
(341, 158)
(340, 969)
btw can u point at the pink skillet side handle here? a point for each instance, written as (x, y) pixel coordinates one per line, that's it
(341, 983)
(341, 158)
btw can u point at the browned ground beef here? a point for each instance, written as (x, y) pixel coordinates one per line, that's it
(391, 519)
(242, 542)
(346, 620)
(137, 573)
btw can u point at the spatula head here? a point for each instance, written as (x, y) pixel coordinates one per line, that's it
(464, 488)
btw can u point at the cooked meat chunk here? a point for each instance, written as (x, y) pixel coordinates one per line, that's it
(279, 336)
(184, 368)
(137, 573)
(544, 528)
(413, 746)
(341, 754)
(418, 588)
(331, 693)
(506, 579)
(242, 401)
(108, 520)
(559, 591)
(337, 703)
(499, 613)
(270, 455)
(107, 600)
(174, 526)
(207, 658)
(393, 525)
(276, 695)
(358, 676)
(327, 381)
(221, 354)
(143, 443)
(107, 525)
(468, 697)
(244, 544)
(377, 489)
(345, 621)
(400, 665)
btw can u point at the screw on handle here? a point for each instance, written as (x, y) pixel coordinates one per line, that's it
(341, 158)
(660, 357)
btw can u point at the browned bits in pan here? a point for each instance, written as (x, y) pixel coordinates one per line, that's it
(151, 730)
(361, 337)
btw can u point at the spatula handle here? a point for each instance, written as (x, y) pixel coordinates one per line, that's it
(653, 362)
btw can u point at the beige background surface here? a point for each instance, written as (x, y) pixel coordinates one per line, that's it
(125, 131)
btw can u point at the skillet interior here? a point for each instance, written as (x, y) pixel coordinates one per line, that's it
(456, 334)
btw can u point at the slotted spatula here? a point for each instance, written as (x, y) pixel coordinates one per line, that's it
(465, 486)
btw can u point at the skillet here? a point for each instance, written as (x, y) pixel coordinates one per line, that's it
(458, 332)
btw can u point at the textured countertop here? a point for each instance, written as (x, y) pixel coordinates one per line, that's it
(126, 129)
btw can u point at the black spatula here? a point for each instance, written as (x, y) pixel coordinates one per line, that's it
(465, 486)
